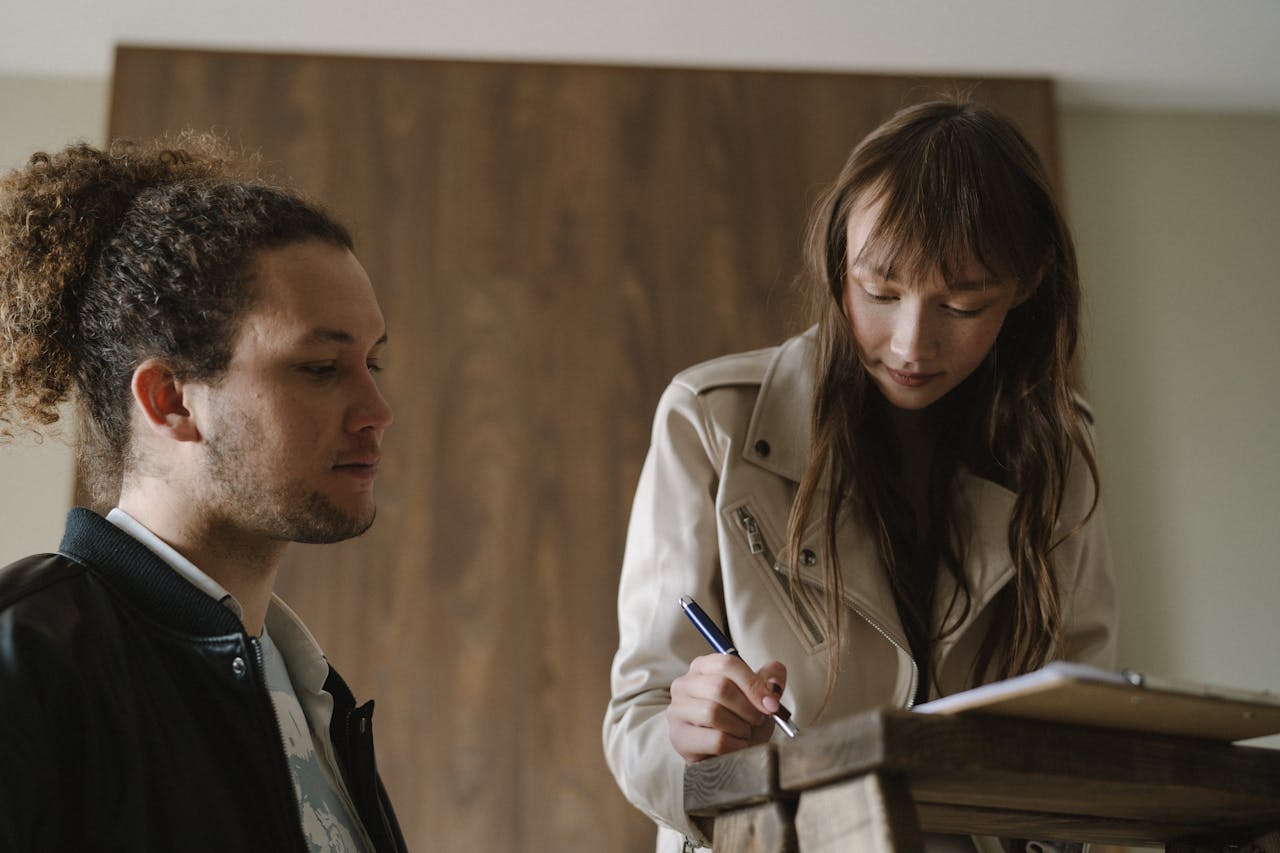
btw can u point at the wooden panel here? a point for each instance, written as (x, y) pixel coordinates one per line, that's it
(550, 244)
(763, 829)
(737, 779)
(1006, 823)
(1009, 778)
(871, 813)
(1023, 765)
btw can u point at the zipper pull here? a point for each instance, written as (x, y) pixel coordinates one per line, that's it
(755, 541)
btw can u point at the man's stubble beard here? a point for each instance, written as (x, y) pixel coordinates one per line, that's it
(291, 513)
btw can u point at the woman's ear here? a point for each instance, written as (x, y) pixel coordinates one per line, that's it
(161, 398)
(1025, 292)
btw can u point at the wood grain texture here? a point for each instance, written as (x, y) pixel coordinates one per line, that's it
(549, 243)
(1018, 778)
(1007, 823)
(729, 781)
(871, 813)
(769, 828)
(1039, 767)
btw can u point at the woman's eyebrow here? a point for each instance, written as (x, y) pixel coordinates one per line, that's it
(867, 267)
(973, 283)
(975, 276)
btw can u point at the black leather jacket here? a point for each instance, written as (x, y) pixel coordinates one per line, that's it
(134, 713)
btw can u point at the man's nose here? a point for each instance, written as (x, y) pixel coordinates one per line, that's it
(371, 411)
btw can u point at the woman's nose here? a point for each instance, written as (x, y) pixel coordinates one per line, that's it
(914, 336)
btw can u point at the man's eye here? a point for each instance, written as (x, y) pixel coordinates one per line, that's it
(319, 370)
(374, 367)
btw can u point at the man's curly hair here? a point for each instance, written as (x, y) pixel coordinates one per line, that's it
(111, 257)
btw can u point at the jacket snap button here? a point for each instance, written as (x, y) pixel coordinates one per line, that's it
(762, 447)
(807, 557)
(238, 667)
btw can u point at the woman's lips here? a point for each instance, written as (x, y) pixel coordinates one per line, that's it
(909, 379)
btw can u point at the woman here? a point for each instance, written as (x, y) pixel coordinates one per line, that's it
(899, 503)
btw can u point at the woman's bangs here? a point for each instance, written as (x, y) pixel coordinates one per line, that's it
(936, 217)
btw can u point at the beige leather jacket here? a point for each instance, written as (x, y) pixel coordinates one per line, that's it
(730, 443)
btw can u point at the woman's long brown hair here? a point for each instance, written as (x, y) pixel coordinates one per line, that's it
(956, 182)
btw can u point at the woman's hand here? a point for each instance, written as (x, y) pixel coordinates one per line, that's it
(721, 706)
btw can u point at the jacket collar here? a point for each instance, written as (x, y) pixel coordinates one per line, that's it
(136, 572)
(782, 419)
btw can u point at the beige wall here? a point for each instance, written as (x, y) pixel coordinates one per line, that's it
(1174, 216)
(36, 478)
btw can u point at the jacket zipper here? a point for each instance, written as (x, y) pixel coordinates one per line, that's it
(757, 545)
(362, 753)
(281, 761)
(356, 764)
(915, 668)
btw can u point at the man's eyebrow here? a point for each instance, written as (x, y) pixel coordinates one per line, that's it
(326, 335)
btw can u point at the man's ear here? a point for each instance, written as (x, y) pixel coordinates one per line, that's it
(162, 399)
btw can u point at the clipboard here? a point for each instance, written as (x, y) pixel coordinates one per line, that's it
(1083, 695)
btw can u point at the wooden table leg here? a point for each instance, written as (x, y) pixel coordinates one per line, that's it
(760, 829)
(869, 813)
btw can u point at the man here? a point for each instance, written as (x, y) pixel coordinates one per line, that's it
(220, 340)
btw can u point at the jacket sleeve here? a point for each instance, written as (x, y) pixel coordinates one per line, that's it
(671, 550)
(1090, 613)
(28, 772)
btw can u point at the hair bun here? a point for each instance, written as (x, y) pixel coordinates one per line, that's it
(56, 215)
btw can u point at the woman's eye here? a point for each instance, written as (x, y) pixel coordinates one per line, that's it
(879, 298)
(374, 367)
(961, 312)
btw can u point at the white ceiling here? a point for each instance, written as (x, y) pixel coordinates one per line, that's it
(1124, 54)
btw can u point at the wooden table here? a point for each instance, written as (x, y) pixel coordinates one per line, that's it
(874, 781)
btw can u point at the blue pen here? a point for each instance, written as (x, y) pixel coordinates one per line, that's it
(721, 644)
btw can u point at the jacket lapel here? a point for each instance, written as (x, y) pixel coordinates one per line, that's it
(781, 420)
(987, 563)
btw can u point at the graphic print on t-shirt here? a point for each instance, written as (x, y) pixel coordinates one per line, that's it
(327, 821)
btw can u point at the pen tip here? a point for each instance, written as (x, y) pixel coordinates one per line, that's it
(685, 601)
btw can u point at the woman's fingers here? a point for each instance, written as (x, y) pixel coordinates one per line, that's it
(710, 700)
(761, 688)
(698, 729)
(720, 705)
(774, 675)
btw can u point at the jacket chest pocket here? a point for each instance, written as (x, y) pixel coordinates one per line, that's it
(765, 550)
